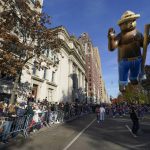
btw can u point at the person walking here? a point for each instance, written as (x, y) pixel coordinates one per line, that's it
(135, 120)
(102, 113)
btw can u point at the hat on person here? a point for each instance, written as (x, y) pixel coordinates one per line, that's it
(128, 15)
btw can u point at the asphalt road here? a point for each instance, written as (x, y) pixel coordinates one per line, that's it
(86, 134)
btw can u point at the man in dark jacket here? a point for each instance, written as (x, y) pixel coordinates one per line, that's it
(135, 121)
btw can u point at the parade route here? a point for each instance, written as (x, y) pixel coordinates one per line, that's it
(86, 134)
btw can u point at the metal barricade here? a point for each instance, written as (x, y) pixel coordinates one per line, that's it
(13, 126)
(44, 118)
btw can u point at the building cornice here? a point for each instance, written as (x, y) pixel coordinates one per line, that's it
(75, 54)
(63, 30)
(72, 52)
(51, 83)
(72, 39)
(65, 46)
(37, 78)
(77, 44)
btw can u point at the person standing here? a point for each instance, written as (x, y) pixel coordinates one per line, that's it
(102, 113)
(97, 110)
(30, 99)
(135, 120)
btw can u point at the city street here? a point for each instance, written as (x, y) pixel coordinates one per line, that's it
(86, 134)
(74, 76)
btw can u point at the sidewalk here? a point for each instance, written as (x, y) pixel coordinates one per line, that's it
(21, 138)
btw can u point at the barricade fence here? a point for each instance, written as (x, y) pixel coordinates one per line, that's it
(10, 127)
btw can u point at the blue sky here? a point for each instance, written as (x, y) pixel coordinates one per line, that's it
(95, 17)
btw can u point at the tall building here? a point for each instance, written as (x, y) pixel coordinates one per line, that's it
(96, 86)
(98, 73)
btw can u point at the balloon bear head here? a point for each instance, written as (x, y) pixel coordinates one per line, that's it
(128, 21)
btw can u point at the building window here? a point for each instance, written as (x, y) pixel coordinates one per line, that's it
(45, 72)
(50, 95)
(34, 69)
(54, 58)
(53, 76)
(51, 55)
(35, 90)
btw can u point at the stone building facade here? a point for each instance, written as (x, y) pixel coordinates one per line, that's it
(65, 81)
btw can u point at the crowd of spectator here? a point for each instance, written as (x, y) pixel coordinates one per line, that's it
(42, 113)
(33, 115)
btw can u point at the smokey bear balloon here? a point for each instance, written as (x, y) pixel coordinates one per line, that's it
(129, 42)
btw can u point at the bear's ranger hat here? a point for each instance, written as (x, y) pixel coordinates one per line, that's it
(128, 15)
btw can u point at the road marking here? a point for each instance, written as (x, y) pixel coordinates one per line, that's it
(78, 135)
(130, 130)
